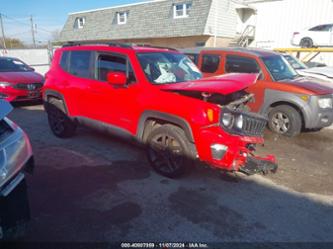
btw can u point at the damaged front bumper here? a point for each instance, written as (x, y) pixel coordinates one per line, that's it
(234, 153)
(257, 165)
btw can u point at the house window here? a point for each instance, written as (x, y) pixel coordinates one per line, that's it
(121, 17)
(79, 22)
(181, 10)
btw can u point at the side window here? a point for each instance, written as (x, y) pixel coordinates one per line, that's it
(80, 62)
(193, 57)
(326, 27)
(210, 63)
(113, 63)
(64, 60)
(239, 64)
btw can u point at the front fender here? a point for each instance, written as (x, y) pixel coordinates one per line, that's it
(274, 96)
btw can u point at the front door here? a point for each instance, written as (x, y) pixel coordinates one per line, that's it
(111, 104)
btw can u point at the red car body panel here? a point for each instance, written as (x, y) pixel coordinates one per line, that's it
(224, 84)
(92, 99)
(23, 92)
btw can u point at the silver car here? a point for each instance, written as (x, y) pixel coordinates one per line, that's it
(16, 158)
(15, 152)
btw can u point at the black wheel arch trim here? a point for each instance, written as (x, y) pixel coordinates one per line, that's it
(57, 95)
(170, 118)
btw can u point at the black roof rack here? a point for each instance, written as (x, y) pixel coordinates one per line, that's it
(114, 44)
(82, 43)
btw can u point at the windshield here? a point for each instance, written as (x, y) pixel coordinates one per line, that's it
(166, 67)
(279, 68)
(295, 63)
(13, 65)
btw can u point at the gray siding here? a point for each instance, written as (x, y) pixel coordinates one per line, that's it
(147, 20)
(225, 20)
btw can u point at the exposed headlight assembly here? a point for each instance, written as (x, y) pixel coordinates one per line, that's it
(239, 122)
(230, 120)
(325, 103)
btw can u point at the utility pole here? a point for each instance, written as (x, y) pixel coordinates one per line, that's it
(33, 32)
(3, 33)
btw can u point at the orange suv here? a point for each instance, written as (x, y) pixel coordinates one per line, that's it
(292, 102)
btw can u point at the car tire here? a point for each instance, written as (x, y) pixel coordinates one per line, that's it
(61, 125)
(306, 43)
(168, 151)
(285, 120)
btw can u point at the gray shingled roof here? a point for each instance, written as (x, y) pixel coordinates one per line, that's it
(145, 20)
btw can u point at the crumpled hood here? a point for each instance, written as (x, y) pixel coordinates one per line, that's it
(317, 86)
(224, 84)
(326, 71)
(21, 77)
(5, 108)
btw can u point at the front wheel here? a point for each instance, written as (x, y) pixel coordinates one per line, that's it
(61, 125)
(306, 43)
(285, 120)
(168, 151)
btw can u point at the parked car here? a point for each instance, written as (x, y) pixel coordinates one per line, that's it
(321, 35)
(16, 158)
(322, 73)
(292, 103)
(18, 81)
(157, 97)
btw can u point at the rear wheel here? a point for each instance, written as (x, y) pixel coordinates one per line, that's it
(168, 151)
(306, 43)
(61, 125)
(285, 120)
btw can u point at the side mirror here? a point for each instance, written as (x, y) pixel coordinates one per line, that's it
(117, 78)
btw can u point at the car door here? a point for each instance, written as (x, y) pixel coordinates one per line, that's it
(243, 64)
(321, 35)
(114, 105)
(78, 67)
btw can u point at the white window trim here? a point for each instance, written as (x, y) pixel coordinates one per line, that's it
(80, 25)
(119, 22)
(185, 13)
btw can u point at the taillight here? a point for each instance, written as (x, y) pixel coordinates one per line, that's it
(296, 33)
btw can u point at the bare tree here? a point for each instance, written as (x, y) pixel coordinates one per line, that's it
(13, 43)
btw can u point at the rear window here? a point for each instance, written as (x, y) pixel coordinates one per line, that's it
(64, 60)
(240, 64)
(77, 63)
(210, 63)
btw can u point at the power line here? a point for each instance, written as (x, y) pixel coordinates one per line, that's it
(26, 23)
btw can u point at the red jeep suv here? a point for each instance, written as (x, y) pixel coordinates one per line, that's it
(158, 97)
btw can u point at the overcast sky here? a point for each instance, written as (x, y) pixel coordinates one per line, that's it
(47, 15)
